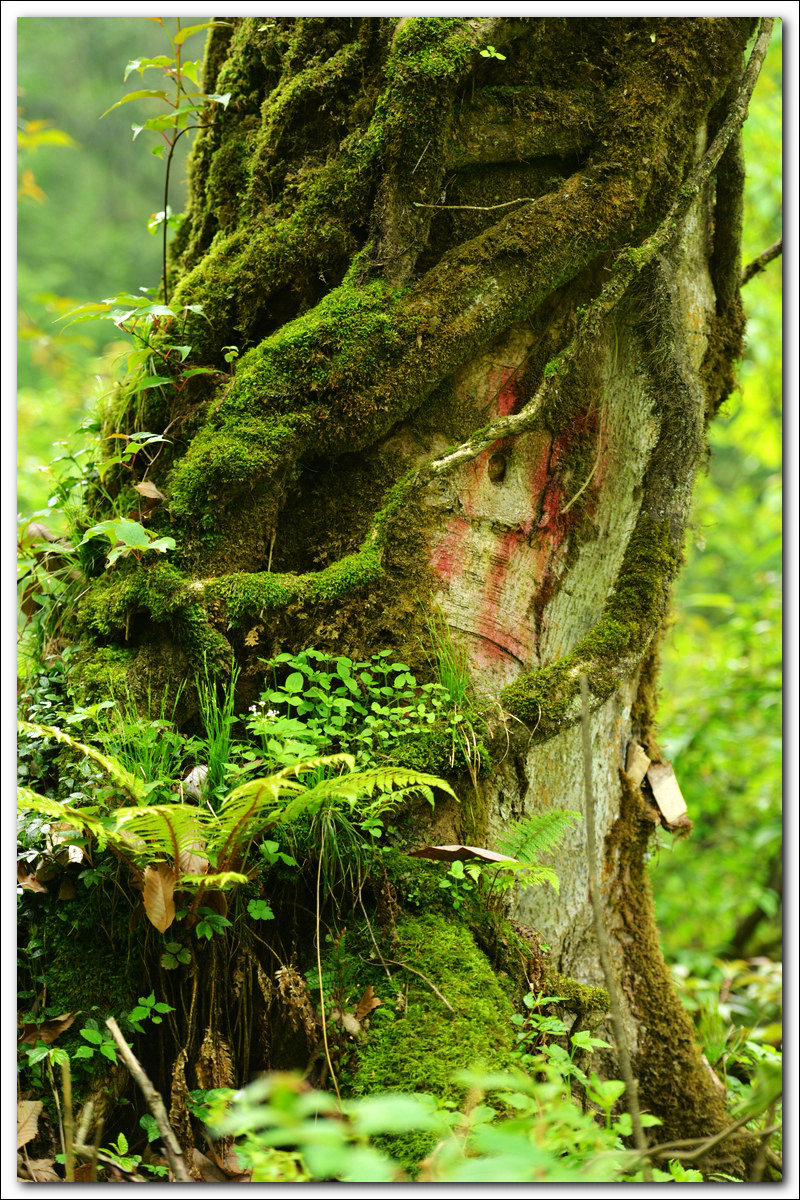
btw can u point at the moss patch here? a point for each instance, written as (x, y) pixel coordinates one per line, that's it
(426, 1044)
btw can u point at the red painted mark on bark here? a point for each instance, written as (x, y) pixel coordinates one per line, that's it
(447, 558)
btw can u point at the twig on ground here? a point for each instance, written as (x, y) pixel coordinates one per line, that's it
(154, 1103)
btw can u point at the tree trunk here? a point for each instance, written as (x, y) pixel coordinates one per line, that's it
(440, 407)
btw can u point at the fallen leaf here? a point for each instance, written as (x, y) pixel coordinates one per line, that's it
(203, 1167)
(38, 1170)
(636, 763)
(48, 1031)
(464, 853)
(26, 880)
(159, 885)
(192, 861)
(27, 1120)
(149, 490)
(667, 794)
(367, 1003)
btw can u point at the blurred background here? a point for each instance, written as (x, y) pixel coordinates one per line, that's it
(86, 191)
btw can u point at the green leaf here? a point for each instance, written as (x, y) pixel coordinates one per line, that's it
(92, 1035)
(132, 534)
(109, 1050)
(146, 64)
(145, 94)
(184, 34)
(151, 381)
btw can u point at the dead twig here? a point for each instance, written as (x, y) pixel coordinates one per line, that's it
(154, 1103)
(414, 971)
(758, 264)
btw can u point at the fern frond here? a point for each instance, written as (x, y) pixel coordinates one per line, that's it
(218, 881)
(112, 768)
(80, 820)
(531, 837)
(166, 829)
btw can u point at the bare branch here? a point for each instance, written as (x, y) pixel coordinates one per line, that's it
(758, 264)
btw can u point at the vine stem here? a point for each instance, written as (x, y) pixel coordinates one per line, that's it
(601, 934)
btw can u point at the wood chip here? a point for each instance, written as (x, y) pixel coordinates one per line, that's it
(671, 803)
(636, 763)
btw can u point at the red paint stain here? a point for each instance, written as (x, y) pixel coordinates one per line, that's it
(447, 558)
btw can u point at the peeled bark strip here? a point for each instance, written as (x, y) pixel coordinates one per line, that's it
(484, 310)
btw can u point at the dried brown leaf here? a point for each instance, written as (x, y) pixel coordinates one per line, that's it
(48, 1031)
(27, 1120)
(214, 1066)
(26, 880)
(367, 1003)
(159, 885)
(636, 763)
(145, 488)
(192, 861)
(178, 1101)
(464, 853)
(38, 1170)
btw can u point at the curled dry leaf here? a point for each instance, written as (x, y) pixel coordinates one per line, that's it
(159, 905)
(367, 1003)
(464, 853)
(27, 1120)
(636, 763)
(47, 1031)
(149, 490)
(26, 880)
(39, 1170)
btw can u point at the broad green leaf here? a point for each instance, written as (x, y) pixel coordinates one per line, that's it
(184, 34)
(151, 381)
(145, 94)
(146, 64)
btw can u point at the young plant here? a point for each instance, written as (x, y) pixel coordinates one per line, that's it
(187, 109)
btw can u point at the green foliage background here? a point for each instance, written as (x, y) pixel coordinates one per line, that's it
(720, 711)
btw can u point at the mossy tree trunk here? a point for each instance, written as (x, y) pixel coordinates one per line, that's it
(438, 405)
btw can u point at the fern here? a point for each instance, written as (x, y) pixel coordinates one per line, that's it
(528, 839)
(112, 768)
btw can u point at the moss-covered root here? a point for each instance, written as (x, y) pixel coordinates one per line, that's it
(430, 1040)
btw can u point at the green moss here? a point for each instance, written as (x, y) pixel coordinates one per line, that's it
(101, 672)
(156, 588)
(580, 998)
(427, 1043)
(250, 595)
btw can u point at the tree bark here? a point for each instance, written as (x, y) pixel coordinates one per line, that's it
(440, 407)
